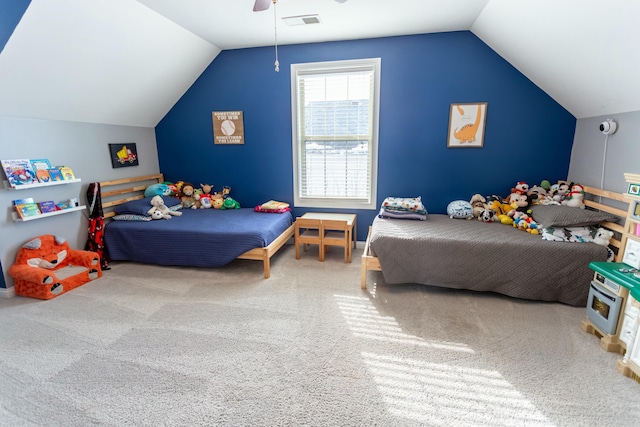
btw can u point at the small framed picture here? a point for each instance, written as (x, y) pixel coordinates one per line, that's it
(123, 155)
(466, 125)
(634, 189)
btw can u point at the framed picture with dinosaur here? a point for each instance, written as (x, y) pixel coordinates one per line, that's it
(466, 125)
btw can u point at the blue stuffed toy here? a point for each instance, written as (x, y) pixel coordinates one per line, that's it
(157, 190)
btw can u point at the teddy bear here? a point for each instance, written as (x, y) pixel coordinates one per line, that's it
(603, 236)
(46, 266)
(157, 205)
(187, 196)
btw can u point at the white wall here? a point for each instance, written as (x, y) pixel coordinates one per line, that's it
(82, 146)
(622, 152)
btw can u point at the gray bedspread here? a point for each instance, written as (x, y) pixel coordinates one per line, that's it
(469, 254)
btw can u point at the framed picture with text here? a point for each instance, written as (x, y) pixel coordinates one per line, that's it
(228, 127)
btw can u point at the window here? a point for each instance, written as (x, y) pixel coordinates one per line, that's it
(335, 109)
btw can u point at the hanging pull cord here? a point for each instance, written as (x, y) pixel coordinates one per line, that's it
(275, 32)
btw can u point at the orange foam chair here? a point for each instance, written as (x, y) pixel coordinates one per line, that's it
(46, 267)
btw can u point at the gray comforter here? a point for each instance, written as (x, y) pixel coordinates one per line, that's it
(469, 254)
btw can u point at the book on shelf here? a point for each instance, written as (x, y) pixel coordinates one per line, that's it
(41, 167)
(63, 205)
(55, 174)
(19, 172)
(27, 209)
(26, 200)
(67, 172)
(47, 206)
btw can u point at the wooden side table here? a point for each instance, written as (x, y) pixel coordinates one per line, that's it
(350, 219)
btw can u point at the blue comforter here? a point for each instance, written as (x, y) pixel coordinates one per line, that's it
(198, 238)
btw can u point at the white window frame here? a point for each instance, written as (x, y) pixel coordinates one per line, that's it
(329, 67)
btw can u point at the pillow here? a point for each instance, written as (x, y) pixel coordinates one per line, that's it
(566, 216)
(142, 206)
(131, 217)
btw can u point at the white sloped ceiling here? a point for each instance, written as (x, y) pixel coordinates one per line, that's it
(127, 62)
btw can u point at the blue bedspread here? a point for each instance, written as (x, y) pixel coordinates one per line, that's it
(198, 238)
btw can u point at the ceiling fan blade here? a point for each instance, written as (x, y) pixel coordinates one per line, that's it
(261, 5)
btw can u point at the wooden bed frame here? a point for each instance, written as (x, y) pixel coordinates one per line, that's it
(371, 262)
(120, 191)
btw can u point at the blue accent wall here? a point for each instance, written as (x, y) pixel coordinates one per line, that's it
(528, 136)
(11, 12)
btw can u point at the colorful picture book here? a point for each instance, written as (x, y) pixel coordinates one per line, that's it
(47, 206)
(26, 209)
(56, 174)
(67, 172)
(19, 172)
(41, 167)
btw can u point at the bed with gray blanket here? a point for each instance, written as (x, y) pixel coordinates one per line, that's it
(468, 254)
(493, 257)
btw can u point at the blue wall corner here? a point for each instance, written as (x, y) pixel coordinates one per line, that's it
(528, 136)
(11, 12)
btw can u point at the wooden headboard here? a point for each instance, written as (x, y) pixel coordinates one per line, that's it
(612, 198)
(119, 191)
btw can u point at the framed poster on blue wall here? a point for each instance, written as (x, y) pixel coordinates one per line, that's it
(466, 125)
(228, 127)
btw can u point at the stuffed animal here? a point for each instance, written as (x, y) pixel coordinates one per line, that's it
(157, 205)
(460, 209)
(187, 198)
(561, 190)
(229, 203)
(478, 204)
(204, 198)
(226, 190)
(157, 190)
(603, 236)
(217, 202)
(46, 266)
(575, 197)
(487, 215)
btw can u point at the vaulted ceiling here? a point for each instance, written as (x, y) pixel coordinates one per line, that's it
(127, 62)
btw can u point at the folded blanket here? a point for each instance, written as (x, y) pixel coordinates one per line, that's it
(384, 213)
(259, 208)
(274, 205)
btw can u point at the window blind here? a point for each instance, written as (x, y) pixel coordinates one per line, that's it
(335, 133)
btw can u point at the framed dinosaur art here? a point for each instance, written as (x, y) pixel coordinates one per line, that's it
(466, 124)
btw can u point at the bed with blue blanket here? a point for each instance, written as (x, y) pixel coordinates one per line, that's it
(196, 238)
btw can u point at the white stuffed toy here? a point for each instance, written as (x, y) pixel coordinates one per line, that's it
(603, 236)
(159, 210)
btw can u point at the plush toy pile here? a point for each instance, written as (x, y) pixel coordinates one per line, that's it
(192, 197)
(515, 209)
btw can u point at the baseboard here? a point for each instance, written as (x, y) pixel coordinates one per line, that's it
(7, 293)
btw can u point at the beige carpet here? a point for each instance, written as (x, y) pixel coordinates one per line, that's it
(151, 346)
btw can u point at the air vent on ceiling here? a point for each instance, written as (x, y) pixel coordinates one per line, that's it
(301, 20)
